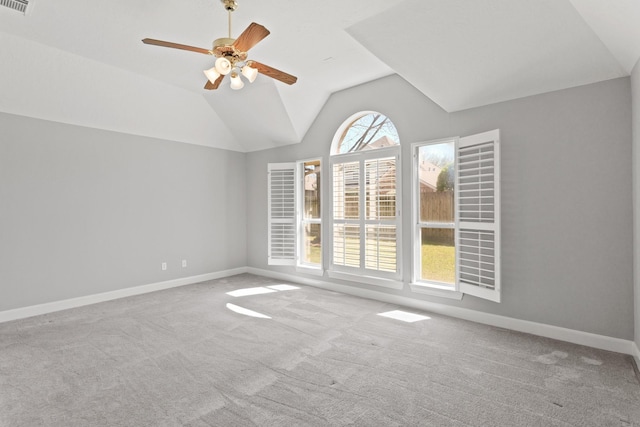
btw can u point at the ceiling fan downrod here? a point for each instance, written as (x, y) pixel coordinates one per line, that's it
(230, 6)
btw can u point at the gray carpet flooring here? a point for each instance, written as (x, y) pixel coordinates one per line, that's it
(181, 357)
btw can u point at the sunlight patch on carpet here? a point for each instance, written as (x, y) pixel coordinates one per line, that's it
(283, 287)
(246, 311)
(250, 291)
(404, 316)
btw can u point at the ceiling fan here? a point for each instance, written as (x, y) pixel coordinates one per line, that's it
(231, 55)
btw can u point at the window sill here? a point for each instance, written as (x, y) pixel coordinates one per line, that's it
(435, 290)
(368, 280)
(314, 271)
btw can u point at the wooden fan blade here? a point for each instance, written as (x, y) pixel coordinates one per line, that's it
(250, 37)
(212, 86)
(176, 46)
(274, 73)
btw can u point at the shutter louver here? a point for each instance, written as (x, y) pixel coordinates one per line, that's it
(380, 248)
(478, 212)
(380, 178)
(282, 214)
(476, 183)
(346, 191)
(346, 245)
(477, 257)
(19, 5)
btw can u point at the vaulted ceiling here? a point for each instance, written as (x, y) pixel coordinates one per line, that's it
(82, 62)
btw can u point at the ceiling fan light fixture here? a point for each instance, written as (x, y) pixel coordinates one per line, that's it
(250, 73)
(212, 74)
(230, 54)
(236, 81)
(223, 66)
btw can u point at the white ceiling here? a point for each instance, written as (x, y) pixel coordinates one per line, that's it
(82, 62)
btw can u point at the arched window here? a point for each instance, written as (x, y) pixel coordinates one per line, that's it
(365, 131)
(366, 199)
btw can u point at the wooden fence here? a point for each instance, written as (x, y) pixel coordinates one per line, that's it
(437, 207)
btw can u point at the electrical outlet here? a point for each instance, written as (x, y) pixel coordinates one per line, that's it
(164, 266)
(184, 263)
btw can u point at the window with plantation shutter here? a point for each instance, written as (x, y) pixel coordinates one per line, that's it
(478, 215)
(282, 213)
(365, 186)
(456, 217)
(366, 219)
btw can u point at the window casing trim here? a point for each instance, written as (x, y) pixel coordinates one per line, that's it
(477, 218)
(431, 288)
(369, 280)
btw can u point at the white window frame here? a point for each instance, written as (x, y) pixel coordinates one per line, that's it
(461, 286)
(301, 266)
(362, 274)
(418, 284)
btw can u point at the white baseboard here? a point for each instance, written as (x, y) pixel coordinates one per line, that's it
(577, 337)
(636, 354)
(50, 307)
(563, 334)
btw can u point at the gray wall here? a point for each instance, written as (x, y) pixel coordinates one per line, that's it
(566, 195)
(635, 87)
(84, 211)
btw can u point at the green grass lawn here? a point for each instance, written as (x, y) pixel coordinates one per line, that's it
(438, 263)
(314, 255)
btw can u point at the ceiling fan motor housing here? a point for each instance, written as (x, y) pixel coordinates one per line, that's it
(224, 47)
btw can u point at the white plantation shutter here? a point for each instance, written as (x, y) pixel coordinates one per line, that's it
(478, 215)
(346, 213)
(282, 213)
(346, 191)
(346, 245)
(380, 215)
(366, 221)
(380, 248)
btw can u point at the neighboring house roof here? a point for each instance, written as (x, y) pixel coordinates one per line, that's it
(310, 182)
(429, 174)
(381, 142)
